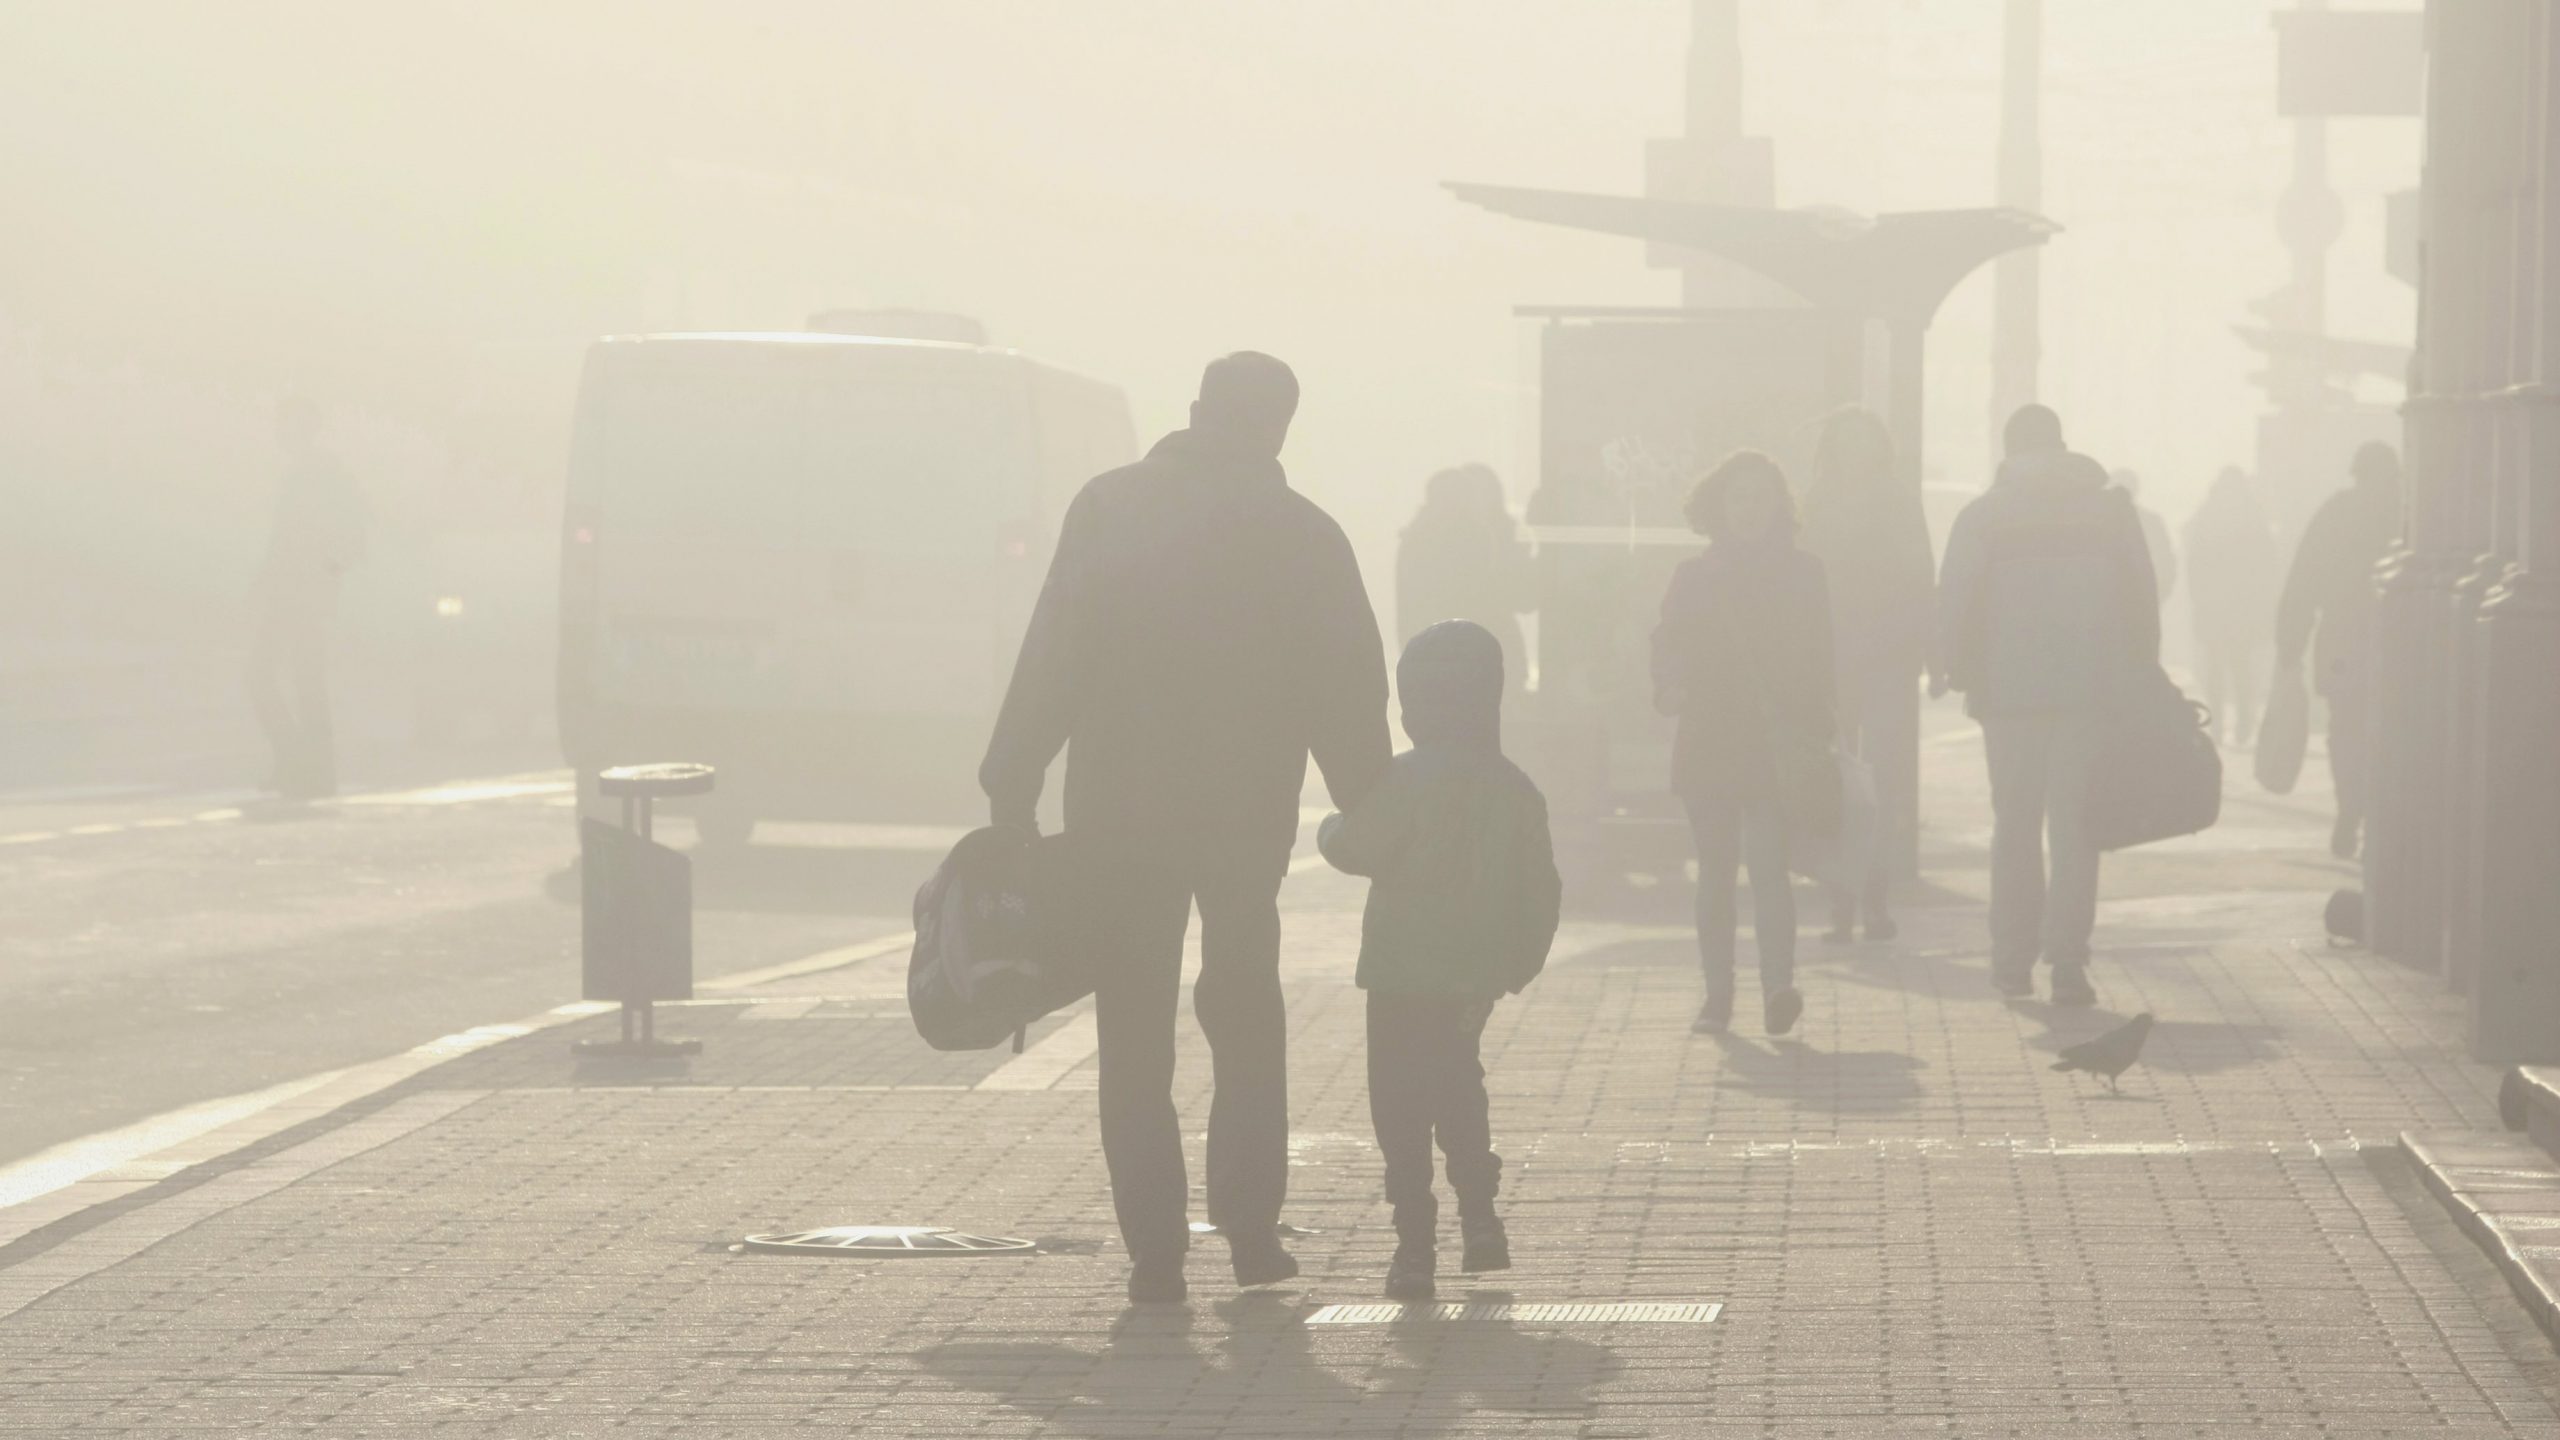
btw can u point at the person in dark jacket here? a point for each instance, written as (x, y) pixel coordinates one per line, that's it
(2330, 591)
(1743, 657)
(1865, 525)
(2046, 601)
(1463, 900)
(1461, 558)
(1202, 631)
(2231, 581)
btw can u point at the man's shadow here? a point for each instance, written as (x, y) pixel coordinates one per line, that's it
(1838, 1081)
(1264, 1361)
(1497, 1367)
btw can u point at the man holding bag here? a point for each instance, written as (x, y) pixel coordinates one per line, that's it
(1202, 631)
(2046, 599)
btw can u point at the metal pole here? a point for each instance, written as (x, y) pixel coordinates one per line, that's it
(2017, 283)
(1910, 341)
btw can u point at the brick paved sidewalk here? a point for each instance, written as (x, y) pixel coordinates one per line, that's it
(1911, 1224)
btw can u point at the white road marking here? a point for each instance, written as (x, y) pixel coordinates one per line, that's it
(29, 837)
(128, 1235)
(470, 792)
(70, 1177)
(819, 963)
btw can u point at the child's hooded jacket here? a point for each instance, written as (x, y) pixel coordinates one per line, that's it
(1465, 894)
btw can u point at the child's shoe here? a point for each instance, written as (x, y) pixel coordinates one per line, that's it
(1409, 1274)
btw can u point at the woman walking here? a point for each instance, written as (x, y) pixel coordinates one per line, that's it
(1743, 658)
(1864, 523)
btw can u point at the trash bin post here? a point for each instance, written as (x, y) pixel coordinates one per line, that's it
(637, 911)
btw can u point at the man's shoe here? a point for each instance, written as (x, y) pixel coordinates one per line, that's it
(1779, 1009)
(2017, 984)
(2071, 986)
(1409, 1273)
(1260, 1260)
(1485, 1245)
(1716, 1016)
(1158, 1282)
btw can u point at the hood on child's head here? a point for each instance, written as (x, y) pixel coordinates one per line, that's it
(1450, 681)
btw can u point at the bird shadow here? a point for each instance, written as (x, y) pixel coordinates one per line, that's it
(2174, 1047)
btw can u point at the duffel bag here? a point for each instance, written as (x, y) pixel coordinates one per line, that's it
(996, 945)
(2158, 775)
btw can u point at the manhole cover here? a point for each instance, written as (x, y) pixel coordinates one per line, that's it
(890, 1242)
(1621, 1313)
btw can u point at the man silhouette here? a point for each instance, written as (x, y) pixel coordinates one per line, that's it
(1202, 631)
(2046, 598)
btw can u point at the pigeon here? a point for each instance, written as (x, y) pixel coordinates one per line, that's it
(2110, 1054)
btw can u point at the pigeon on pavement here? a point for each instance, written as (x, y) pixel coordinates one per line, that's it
(2110, 1054)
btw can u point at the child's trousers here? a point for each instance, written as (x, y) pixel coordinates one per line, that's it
(1426, 1081)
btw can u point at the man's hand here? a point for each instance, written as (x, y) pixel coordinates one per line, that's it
(1013, 815)
(1937, 684)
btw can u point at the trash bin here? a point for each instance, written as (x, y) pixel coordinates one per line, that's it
(636, 911)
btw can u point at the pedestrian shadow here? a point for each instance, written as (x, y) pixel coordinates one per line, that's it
(1149, 1374)
(1837, 1082)
(1492, 1366)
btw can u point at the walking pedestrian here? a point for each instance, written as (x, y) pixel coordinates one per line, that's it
(1867, 528)
(1463, 899)
(1461, 558)
(1742, 656)
(2046, 601)
(2327, 610)
(1202, 631)
(2231, 575)
(316, 536)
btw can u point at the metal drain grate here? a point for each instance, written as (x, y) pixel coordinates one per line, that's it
(889, 1242)
(1634, 1312)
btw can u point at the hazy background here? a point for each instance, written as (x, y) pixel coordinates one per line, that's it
(418, 213)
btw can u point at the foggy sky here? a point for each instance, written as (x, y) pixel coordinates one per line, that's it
(405, 209)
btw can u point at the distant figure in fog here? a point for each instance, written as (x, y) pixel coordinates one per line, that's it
(317, 535)
(2155, 535)
(1742, 657)
(2329, 591)
(1865, 524)
(1203, 629)
(2046, 599)
(1461, 558)
(2231, 584)
(1463, 900)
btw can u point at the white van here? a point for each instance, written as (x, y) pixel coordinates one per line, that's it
(807, 560)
